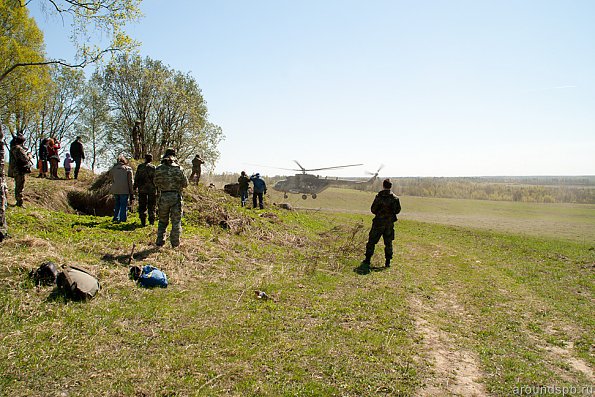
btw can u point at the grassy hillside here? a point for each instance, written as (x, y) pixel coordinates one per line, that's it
(463, 312)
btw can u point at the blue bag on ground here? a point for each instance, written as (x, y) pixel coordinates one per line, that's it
(152, 277)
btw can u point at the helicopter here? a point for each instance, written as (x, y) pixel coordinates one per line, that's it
(309, 184)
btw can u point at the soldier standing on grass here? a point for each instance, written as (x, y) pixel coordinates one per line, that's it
(197, 162)
(170, 180)
(147, 193)
(385, 207)
(18, 167)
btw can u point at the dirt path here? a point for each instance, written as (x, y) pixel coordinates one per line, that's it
(456, 371)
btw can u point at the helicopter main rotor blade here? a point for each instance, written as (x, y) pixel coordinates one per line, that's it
(334, 168)
(299, 165)
(377, 171)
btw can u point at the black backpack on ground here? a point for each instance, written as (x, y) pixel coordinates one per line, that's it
(46, 274)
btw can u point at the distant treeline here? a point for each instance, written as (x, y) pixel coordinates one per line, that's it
(539, 189)
(532, 189)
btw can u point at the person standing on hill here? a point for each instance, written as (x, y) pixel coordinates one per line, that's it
(77, 152)
(244, 185)
(259, 189)
(42, 158)
(144, 182)
(170, 180)
(53, 148)
(197, 162)
(67, 165)
(122, 188)
(385, 207)
(18, 167)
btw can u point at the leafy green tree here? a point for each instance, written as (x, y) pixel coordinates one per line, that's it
(87, 19)
(22, 94)
(22, 90)
(168, 106)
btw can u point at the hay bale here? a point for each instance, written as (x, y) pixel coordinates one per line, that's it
(233, 189)
(95, 201)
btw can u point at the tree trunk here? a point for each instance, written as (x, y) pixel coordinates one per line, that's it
(3, 190)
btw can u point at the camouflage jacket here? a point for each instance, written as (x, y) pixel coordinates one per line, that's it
(386, 206)
(18, 161)
(169, 176)
(145, 175)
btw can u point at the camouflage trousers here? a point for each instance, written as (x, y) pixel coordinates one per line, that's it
(19, 185)
(386, 230)
(147, 201)
(170, 207)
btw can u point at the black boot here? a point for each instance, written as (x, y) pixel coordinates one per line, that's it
(387, 263)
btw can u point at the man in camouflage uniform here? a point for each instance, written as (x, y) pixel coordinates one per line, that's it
(170, 180)
(18, 167)
(147, 193)
(385, 207)
(197, 162)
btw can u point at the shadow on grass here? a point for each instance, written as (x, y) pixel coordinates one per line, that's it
(124, 258)
(363, 270)
(59, 295)
(109, 225)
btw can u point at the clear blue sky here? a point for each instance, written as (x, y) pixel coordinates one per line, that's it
(427, 88)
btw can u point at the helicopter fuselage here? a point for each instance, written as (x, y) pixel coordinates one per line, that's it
(302, 184)
(308, 184)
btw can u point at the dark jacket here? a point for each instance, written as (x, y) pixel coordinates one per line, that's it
(244, 182)
(42, 154)
(145, 178)
(77, 152)
(259, 184)
(386, 206)
(196, 163)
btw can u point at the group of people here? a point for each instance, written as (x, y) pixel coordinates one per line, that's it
(49, 152)
(163, 184)
(258, 191)
(20, 161)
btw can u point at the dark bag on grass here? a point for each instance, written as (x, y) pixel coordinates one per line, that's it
(152, 277)
(78, 283)
(46, 274)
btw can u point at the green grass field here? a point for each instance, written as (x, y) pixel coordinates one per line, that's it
(567, 221)
(477, 309)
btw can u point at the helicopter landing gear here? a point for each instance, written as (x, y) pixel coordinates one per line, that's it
(304, 196)
(285, 195)
(314, 196)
